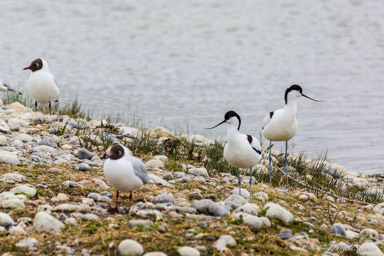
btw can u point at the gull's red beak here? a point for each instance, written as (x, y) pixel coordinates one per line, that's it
(27, 68)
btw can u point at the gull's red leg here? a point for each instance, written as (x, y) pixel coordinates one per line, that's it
(116, 209)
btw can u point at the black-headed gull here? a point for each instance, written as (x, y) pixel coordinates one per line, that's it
(42, 85)
(124, 172)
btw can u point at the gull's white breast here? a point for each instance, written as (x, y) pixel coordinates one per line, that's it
(120, 174)
(42, 86)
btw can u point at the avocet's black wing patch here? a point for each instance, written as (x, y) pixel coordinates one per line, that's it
(271, 114)
(250, 139)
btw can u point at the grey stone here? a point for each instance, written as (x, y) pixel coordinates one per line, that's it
(198, 172)
(84, 154)
(249, 208)
(45, 142)
(82, 167)
(229, 240)
(28, 242)
(168, 176)
(337, 229)
(184, 180)
(235, 201)
(13, 204)
(13, 177)
(9, 158)
(71, 184)
(6, 221)
(44, 222)
(140, 223)
(26, 189)
(164, 198)
(200, 180)
(188, 251)
(90, 217)
(202, 206)
(179, 174)
(219, 210)
(101, 183)
(285, 234)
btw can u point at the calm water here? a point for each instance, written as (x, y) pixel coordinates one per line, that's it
(179, 63)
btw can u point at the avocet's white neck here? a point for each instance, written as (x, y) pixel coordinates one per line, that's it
(232, 131)
(291, 104)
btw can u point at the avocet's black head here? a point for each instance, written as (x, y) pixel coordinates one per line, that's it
(296, 91)
(229, 117)
(115, 152)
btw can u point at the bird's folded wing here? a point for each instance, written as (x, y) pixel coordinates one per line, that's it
(267, 119)
(256, 144)
(140, 169)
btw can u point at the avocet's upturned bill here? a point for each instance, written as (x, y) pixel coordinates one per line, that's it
(281, 124)
(124, 172)
(42, 85)
(241, 150)
(7, 88)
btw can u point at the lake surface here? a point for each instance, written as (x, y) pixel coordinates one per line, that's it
(184, 64)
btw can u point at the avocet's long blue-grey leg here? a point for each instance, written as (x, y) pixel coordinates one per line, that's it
(285, 161)
(250, 186)
(239, 180)
(270, 162)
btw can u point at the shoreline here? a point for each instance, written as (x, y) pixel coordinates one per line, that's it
(53, 196)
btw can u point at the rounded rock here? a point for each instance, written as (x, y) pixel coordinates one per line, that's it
(140, 223)
(253, 222)
(130, 247)
(369, 233)
(337, 229)
(249, 208)
(6, 220)
(164, 198)
(44, 222)
(84, 154)
(13, 204)
(277, 212)
(244, 192)
(28, 190)
(369, 249)
(154, 163)
(229, 240)
(219, 210)
(9, 158)
(155, 254)
(188, 251)
(198, 172)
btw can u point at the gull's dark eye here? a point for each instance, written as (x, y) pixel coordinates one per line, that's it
(36, 64)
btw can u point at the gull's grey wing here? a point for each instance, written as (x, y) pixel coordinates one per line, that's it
(139, 169)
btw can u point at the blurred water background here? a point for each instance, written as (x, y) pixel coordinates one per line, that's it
(183, 64)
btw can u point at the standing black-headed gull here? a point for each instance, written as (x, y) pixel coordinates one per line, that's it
(281, 124)
(42, 85)
(241, 150)
(124, 172)
(6, 88)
